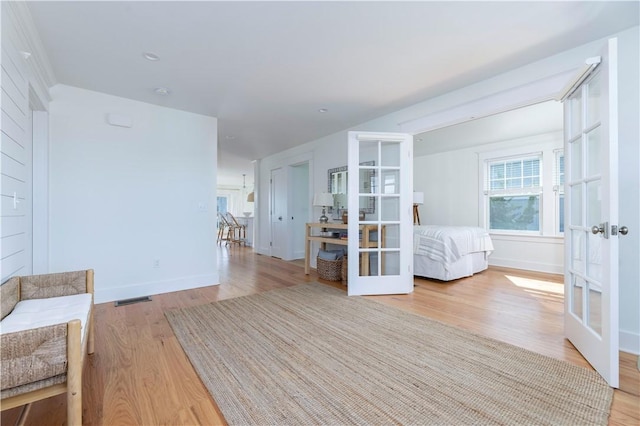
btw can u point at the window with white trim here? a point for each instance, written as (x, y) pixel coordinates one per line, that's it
(513, 193)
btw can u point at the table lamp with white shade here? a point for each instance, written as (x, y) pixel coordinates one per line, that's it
(418, 199)
(324, 200)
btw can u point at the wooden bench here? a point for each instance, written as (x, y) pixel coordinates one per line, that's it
(46, 329)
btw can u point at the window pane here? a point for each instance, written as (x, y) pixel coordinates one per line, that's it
(521, 213)
(561, 170)
(531, 168)
(497, 184)
(497, 171)
(514, 183)
(514, 169)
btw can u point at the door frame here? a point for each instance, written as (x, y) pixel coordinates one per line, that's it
(286, 165)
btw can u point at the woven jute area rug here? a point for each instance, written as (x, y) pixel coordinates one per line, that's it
(311, 355)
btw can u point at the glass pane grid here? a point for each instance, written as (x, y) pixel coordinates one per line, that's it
(521, 173)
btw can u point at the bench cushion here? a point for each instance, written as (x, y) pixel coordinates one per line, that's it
(35, 313)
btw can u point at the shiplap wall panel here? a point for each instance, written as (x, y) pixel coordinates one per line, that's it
(12, 168)
(8, 210)
(10, 224)
(13, 67)
(9, 86)
(11, 128)
(13, 110)
(14, 164)
(13, 244)
(13, 264)
(11, 185)
(12, 148)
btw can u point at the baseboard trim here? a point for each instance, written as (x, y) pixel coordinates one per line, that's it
(528, 266)
(629, 342)
(154, 287)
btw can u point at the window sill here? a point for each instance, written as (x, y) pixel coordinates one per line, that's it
(546, 239)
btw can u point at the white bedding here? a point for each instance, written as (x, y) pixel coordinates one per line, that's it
(450, 252)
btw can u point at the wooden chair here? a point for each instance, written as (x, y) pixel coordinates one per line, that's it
(223, 226)
(237, 226)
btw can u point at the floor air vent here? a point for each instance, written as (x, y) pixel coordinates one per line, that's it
(132, 301)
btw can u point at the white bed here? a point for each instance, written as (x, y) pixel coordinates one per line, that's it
(450, 252)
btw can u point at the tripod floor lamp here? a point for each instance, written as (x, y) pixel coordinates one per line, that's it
(418, 198)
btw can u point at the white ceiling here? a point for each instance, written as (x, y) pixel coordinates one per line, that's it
(266, 68)
(545, 117)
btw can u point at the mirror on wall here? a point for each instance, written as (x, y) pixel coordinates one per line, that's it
(338, 184)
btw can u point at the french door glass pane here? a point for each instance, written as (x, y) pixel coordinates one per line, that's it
(594, 265)
(561, 213)
(368, 263)
(575, 106)
(595, 310)
(593, 204)
(576, 160)
(576, 204)
(390, 154)
(392, 236)
(390, 182)
(577, 288)
(593, 102)
(368, 152)
(578, 249)
(390, 263)
(390, 209)
(593, 152)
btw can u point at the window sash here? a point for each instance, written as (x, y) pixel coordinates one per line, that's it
(514, 175)
(513, 193)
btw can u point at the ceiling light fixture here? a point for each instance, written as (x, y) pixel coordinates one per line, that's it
(151, 56)
(323, 110)
(229, 137)
(162, 91)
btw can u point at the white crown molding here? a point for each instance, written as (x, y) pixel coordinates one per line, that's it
(25, 37)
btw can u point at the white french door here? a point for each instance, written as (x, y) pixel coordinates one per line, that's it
(591, 216)
(380, 185)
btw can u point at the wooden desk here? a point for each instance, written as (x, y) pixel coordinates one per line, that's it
(364, 242)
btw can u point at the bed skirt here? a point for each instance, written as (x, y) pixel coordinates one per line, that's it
(464, 267)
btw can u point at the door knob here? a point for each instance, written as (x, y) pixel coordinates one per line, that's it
(623, 230)
(603, 229)
(280, 218)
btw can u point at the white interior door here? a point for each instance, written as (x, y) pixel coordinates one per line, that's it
(591, 217)
(278, 213)
(380, 183)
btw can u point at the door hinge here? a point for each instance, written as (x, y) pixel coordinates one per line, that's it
(270, 244)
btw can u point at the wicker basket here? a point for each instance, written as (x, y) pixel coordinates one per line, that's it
(345, 270)
(330, 270)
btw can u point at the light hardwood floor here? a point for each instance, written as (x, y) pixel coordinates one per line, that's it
(139, 374)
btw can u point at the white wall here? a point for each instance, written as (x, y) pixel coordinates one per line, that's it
(122, 199)
(331, 151)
